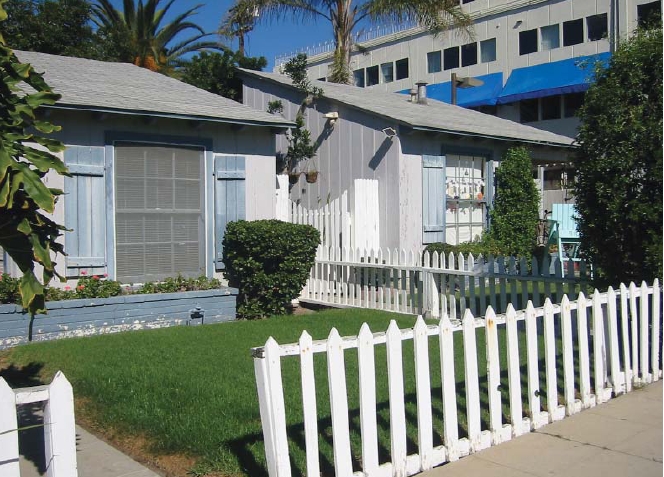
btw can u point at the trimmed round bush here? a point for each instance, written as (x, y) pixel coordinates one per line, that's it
(269, 262)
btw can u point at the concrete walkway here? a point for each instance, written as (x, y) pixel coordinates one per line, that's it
(622, 437)
(95, 459)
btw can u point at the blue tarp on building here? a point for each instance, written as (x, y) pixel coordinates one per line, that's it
(486, 94)
(559, 77)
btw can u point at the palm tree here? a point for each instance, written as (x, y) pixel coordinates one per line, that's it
(238, 22)
(345, 16)
(138, 37)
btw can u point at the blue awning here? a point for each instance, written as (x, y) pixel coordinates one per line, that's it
(560, 77)
(486, 94)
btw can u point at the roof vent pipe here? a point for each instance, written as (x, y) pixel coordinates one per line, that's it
(413, 95)
(421, 92)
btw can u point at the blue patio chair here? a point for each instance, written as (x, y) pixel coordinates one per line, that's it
(564, 233)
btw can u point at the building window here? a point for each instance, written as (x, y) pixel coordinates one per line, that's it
(402, 68)
(372, 75)
(465, 201)
(528, 110)
(649, 14)
(158, 212)
(387, 69)
(598, 27)
(527, 42)
(551, 107)
(488, 50)
(487, 109)
(550, 37)
(322, 79)
(434, 62)
(358, 78)
(572, 103)
(451, 58)
(573, 32)
(469, 54)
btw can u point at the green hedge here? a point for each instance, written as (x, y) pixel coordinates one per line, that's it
(269, 262)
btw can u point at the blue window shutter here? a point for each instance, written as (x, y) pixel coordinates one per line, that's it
(433, 199)
(85, 210)
(229, 198)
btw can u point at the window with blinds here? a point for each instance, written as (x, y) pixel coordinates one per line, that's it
(158, 212)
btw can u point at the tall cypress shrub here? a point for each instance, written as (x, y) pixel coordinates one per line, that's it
(515, 210)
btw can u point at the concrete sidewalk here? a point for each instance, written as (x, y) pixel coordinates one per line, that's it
(622, 437)
(95, 458)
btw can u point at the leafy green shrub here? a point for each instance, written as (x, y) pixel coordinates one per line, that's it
(269, 262)
(9, 289)
(97, 287)
(515, 212)
(618, 170)
(485, 247)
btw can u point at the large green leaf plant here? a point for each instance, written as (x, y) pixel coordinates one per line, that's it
(26, 156)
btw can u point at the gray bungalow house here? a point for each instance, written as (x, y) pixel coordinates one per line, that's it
(433, 162)
(159, 167)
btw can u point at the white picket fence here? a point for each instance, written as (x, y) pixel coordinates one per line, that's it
(618, 345)
(335, 219)
(59, 426)
(434, 285)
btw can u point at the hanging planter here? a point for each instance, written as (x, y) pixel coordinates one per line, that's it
(311, 176)
(293, 177)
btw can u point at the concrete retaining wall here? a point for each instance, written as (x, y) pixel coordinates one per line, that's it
(85, 317)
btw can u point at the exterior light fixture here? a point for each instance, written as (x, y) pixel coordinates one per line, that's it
(464, 82)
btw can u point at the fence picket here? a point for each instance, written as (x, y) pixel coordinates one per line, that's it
(482, 283)
(493, 378)
(475, 437)
(308, 384)
(512, 283)
(587, 400)
(448, 379)
(397, 405)
(367, 376)
(471, 288)
(8, 432)
(617, 380)
(645, 328)
(550, 364)
(535, 273)
(636, 379)
(624, 324)
(655, 331)
(519, 425)
(537, 417)
(502, 282)
(423, 385)
(276, 400)
(336, 375)
(599, 349)
(568, 357)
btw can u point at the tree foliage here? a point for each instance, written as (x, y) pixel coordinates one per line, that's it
(515, 212)
(138, 36)
(216, 72)
(26, 156)
(58, 27)
(345, 16)
(618, 185)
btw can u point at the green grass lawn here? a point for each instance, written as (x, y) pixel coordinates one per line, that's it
(191, 390)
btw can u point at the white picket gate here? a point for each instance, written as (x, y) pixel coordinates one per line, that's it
(613, 337)
(59, 426)
(432, 284)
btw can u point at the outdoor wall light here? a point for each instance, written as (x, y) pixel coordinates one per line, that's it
(332, 118)
(390, 132)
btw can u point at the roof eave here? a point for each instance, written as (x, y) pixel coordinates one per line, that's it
(493, 137)
(188, 117)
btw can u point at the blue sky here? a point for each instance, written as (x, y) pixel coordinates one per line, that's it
(269, 39)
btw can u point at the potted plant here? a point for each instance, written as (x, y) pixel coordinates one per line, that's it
(293, 177)
(311, 176)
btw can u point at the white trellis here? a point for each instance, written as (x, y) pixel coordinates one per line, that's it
(620, 331)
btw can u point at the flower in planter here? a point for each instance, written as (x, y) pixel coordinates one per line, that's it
(80, 287)
(95, 277)
(83, 272)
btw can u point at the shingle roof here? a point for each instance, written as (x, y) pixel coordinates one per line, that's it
(127, 89)
(435, 116)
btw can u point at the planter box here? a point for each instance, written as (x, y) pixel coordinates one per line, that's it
(86, 317)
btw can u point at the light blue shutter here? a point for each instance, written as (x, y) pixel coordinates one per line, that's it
(229, 202)
(85, 210)
(433, 199)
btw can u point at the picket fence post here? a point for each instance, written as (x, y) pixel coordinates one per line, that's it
(8, 432)
(448, 379)
(367, 377)
(336, 375)
(60, 429)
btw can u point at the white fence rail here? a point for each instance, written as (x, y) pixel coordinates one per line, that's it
(606, 344)
(59, 426)
(433, 284)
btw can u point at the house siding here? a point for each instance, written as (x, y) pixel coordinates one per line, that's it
(255, 144)
(355, 149)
